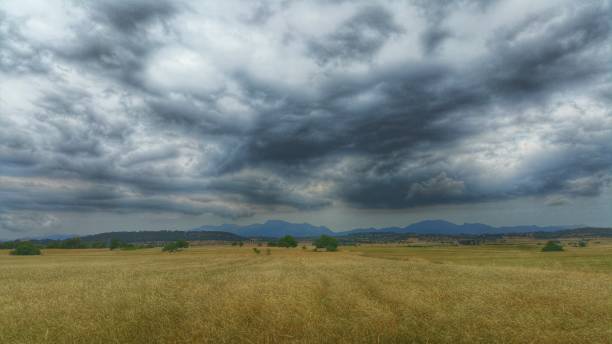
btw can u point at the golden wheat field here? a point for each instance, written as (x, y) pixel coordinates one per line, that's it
(369, 294)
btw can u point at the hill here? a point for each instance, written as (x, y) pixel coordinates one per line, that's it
(278, 228)
(586, 232)
(449, 228)
(154, 236)
(271, 229)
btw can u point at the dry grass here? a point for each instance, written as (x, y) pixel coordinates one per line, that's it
(362, 294)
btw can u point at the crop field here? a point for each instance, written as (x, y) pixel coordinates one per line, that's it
(373, 294)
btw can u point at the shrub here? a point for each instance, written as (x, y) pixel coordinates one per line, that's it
(182, 244)
(97, 244)
(129, 247)
(72, 243)
(552, 246)
(171, 247)
(25, 249)
(268, 251)
(175, 246)
(256, 250)
(241, 244)
(304, 247)
(287, 241)
(9, 245)
(582, 243)
(115, 244)
(326, 242)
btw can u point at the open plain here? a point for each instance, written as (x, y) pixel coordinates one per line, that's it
(510, 293)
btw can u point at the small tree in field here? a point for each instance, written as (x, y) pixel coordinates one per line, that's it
(25, 249)
(182, 244)
(171, 247)
(115, 244)
(326, 242)
(175, 246)
(287, 241)
(552, 246)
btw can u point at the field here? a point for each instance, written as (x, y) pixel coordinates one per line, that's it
(388, 293)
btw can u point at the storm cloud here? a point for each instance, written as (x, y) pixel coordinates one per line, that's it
(233, 108)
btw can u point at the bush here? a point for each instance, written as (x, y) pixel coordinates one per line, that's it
(25, 249)
(241, 244)
(582, 243)
(129, 247)
(182, 243)
(268, 251)
(326, 242)
(97, 244)
(175, 246)
(9, 245)
(552, 246)
(171, 247)
(72, 243)
(256, 250)
(115, 244)
(287, 241)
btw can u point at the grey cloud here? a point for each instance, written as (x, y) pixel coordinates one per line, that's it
(17, 55)
(383, 136)
(117, 40)
(129, 16)
(25, 221)
(557, 201)
(359, 38)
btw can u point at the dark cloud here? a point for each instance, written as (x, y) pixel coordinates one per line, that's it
(191, 108)
(358, 38)
(130, 16)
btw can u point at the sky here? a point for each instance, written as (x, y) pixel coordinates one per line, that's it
(134, 115)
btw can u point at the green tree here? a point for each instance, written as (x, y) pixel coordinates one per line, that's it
(287, 241)
(115, 244)
(552, 246)
(25, 248)
(72, 243)
(97, 244)
(171, 247)
(182, 243)
(326, 242)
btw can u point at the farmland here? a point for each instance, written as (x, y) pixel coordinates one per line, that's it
(510, 293)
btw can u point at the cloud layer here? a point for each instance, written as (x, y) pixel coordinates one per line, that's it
(233, 108)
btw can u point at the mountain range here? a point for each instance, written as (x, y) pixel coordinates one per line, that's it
(278, 228)
(271, 229)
